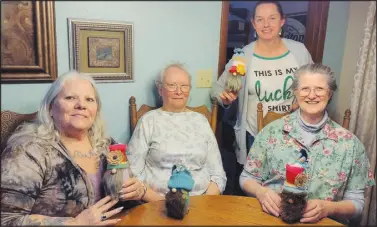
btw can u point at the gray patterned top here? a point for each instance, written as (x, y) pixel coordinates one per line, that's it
(162, 139)
(42, 180)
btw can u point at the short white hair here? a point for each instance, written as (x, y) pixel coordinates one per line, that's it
(315, 68)
(160, 77)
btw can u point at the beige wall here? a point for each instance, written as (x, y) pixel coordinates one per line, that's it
(354, 35)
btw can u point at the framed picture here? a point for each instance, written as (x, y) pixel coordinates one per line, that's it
(28, 42)
(101, 49)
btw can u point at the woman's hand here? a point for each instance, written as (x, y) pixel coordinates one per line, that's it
(269, 200)
(315, 210)
(98, 214)
(228, 97)
(132, 189)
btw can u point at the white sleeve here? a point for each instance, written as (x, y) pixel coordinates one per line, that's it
(214, 162)
(357, 198)
(138, 147)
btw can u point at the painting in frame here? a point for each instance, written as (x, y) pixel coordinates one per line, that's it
(101, 49)
(28, 42)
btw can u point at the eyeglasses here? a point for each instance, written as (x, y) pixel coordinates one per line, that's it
(318, 91)
(173, 87)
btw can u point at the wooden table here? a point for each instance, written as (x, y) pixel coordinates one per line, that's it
(209, 210)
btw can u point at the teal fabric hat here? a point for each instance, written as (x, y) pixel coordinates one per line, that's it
(181, 178)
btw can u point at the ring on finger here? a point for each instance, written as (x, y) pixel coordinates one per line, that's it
(103, 217)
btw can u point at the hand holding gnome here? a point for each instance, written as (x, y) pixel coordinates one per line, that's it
(118, 173)
(294, 194)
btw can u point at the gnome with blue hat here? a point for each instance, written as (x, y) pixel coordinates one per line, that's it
(177, 199)
(294, 194)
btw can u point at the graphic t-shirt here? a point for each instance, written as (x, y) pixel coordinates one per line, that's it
(269, 82)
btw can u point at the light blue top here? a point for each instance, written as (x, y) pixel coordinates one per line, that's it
(302, 57)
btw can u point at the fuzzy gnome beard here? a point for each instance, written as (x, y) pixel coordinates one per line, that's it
(177, 199)
(118, 170)
(236, 71)
(294, 196)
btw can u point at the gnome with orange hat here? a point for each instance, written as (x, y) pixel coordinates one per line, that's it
(236, 71)
(118, 170)
(294, 194)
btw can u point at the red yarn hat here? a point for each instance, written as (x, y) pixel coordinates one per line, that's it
(117, 158)
(291, 172)
(295, 177)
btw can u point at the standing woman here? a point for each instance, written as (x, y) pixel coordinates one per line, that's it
(271, 61)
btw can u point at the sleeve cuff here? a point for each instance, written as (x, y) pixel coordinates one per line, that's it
(220, 183)
(246, 176)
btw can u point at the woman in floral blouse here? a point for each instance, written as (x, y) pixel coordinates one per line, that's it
(338, 166)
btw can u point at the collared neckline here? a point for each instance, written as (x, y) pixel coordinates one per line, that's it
(291, 126)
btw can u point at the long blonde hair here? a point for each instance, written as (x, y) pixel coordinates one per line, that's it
(43, 130)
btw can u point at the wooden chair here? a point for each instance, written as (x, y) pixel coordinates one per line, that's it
(135, 114)
(9, 122)
(271, 116)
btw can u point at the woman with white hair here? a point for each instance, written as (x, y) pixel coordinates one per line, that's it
(172, 135)
(52, 168)
(338, 170)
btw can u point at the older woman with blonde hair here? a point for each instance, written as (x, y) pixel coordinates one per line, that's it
(172, 135)
(337, 168)
(52, 168)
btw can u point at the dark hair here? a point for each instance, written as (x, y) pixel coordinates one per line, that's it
(175, 204)
(292, 206)
(276, 3)
(278, 6)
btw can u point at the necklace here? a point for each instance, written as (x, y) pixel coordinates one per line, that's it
(89, 155)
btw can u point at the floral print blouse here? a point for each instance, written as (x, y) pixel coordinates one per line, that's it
(336, 158)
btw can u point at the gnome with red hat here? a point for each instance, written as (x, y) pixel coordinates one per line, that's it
(118, 170)
(294, 194)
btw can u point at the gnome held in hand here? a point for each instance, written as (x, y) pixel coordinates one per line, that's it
(117, 171)
(294, 194)
(236, 71)
(177, 199)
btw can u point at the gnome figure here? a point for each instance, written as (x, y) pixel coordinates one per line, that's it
(236, 71)
(294, 194)
(117, 171)
(177, 199)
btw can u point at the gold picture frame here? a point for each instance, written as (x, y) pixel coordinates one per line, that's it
(101, 49)
(28, 42)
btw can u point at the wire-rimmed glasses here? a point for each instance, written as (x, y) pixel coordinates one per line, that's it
(173, 87)
(318, 91)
